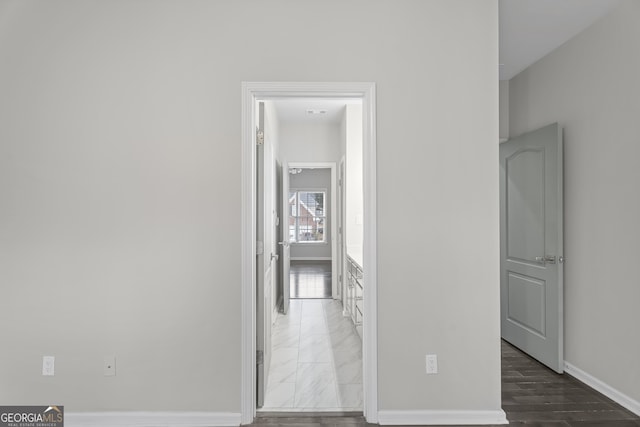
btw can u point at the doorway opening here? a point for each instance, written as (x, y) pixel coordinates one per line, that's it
(306, 219)
(314, 233)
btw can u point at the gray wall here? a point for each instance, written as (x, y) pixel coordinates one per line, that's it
(504, 109)
(354, 202)
(590, 86)
(309, 142)
(120, 192)
(314, 179)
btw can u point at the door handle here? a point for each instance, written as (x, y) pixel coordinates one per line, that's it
(284, 244)
(274, 256)
(551, 259)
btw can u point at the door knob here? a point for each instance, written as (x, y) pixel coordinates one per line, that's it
(284, 243)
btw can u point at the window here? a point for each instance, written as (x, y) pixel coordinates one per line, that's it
(307, 216)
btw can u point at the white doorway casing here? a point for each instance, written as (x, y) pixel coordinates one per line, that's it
(251, 92)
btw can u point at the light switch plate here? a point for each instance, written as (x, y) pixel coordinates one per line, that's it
(432, 364)
(48, 365)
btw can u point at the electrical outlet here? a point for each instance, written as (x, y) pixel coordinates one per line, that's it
(48, 365)
(109, 366)
(432, 364)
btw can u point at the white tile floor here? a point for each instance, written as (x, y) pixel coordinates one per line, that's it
(316, 361)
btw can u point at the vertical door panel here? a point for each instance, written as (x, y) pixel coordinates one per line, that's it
(340, 245)
(525, 199)
(280, 229)
(260, 267)
(531, 245)
(284, 242)
(265, 235)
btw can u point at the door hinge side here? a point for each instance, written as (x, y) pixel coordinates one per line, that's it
(259, 137)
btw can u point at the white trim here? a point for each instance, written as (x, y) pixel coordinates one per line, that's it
(334, 231)
(341, 250)
(247, 263)
(370, 255)
(602, 387)
(311, 258)
(151, 419)
(442, 417)
(251, 91)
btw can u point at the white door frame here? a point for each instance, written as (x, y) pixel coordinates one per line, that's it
(333, 213)
(251, 92)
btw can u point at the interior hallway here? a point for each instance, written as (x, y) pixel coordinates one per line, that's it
(316, 364)
(532, 395)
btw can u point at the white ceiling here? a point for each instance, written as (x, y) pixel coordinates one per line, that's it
(295, 110)
(530, 29)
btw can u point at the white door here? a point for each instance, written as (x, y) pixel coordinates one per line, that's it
(260, 276)
(340, 245)
(531, 246)
(285, 248)
(280, 225)
(265, 226)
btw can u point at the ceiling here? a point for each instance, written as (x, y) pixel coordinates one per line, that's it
(296, 110)
(529, 30)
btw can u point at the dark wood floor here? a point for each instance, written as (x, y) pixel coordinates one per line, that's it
(532, 396)
(310, 279)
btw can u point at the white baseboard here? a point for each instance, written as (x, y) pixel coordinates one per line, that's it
(151, 419)
(310, 258)
(602, 387)
(442, 417)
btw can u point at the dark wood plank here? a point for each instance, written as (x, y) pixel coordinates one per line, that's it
(310, 279)
(535, 395)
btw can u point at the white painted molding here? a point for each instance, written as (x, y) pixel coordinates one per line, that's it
(250, 92)
(334, 230)
(602, 387)
(435, 417)
(311, 258)
(370, 255)
(151, 419)
(247, 262)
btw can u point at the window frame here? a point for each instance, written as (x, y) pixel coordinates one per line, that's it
(296, 217)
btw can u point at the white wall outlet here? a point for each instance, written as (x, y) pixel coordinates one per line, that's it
(432, 364)
(48, 365)
(109, 366)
